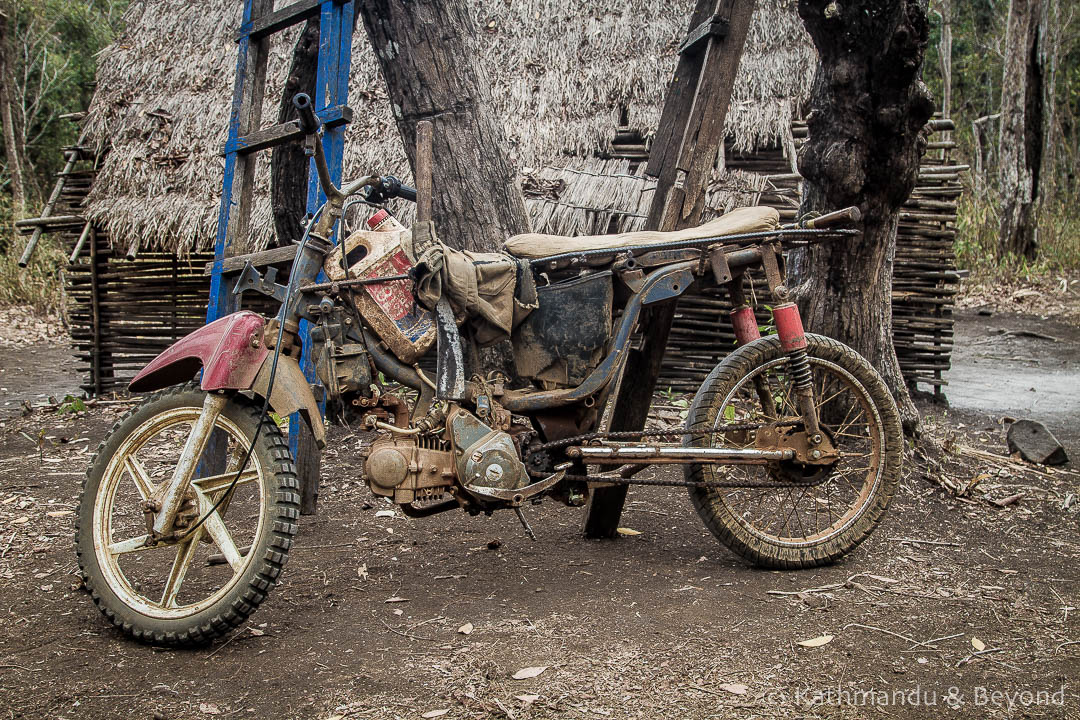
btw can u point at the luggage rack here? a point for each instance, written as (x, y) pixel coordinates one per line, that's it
(790, 237)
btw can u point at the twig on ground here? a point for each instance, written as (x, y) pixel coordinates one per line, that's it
(823, 588)
(1006, 502)
(401, 633)
(977, 653)
(8, 546)
(925, 542)
(930, 643)
(887, 632)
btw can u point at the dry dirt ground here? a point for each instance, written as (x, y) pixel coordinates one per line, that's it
(666, 623)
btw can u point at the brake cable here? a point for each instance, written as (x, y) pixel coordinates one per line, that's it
(289, 289)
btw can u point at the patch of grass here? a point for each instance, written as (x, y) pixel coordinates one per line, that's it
(978, 250)
(38, 285)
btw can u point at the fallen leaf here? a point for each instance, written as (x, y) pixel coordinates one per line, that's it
(396, 599)
(627, 531)
(60, 513)
(361, 572)
(529, 672)
(816, 642)
(257, 632)
(399, 612)
(435, 713)
(466, 629)
(20, 520)
(385, 513)
(978, 644)
(527, 699)
(736, 688)
(209, 709)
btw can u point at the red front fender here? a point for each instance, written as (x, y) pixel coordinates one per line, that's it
(233, 356)
(230, 352)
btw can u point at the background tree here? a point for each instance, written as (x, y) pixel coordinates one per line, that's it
(1022, 135)
(426, 50)
(48, 54)
(868, 110)
(428, 60)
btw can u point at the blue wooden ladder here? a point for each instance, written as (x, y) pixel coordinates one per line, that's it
(247, 136)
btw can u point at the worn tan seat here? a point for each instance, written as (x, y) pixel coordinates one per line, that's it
(741, 220)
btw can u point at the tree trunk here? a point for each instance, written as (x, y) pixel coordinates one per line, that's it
(1050, 38)
(288, 163)
(1021, 140)
(868, 111)
(7, 84)
(945, 61)
(427, 52)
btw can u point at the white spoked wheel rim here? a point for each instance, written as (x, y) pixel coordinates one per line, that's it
(125, 467)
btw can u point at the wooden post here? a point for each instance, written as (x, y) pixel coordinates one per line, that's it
(95, 316)
(684, 151)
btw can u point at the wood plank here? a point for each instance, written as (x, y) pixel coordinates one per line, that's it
(262, 258)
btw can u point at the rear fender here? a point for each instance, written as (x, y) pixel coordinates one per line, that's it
(233, 356)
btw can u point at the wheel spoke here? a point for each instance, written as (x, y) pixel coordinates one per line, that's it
(215, 527)
(215, 483)
(139, 476)
(184, 553)
(135, 544)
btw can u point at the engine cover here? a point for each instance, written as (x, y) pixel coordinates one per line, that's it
(486, 458)
(408, 469)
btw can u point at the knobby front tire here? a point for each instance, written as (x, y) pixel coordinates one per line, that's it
(198, 589)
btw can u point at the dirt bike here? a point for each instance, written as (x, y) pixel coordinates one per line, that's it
(791, 450)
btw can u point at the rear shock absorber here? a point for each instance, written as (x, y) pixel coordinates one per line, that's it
(793, 342)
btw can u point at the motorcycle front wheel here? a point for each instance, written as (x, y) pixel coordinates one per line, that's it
(201, 586)
(785, 514)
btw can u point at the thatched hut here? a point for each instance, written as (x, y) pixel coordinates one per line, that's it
(579, 86)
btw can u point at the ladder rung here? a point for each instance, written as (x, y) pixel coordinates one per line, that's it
(285, 132)
(257, 259)
(278, 20)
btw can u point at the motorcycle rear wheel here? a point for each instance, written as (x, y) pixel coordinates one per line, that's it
(796, 516)
(201, 587)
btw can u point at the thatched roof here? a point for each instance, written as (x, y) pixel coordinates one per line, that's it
(560, 70)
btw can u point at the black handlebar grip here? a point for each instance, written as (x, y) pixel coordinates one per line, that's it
(309, 124)
(407, 193)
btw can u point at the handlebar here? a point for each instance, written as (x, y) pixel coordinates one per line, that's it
(309, 124)
(839, 217)
(390, 187)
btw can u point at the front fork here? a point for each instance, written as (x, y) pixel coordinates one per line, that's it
(789, 328)
(164, 505)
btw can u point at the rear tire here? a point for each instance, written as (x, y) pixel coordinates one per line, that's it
(188, 592)
(781, 526)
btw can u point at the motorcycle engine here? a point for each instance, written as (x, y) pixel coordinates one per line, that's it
(410, 468)
(415, 468)
(487, 459)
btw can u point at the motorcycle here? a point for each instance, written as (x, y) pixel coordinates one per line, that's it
(791, 450)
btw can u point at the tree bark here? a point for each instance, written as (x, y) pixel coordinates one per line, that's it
(7, 117)
(1049, 51)
(1021, 140)
(945, 61)
(427, 52)
(288, 163)
(868, 113)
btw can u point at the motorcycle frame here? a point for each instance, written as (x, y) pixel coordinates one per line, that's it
(240, 360)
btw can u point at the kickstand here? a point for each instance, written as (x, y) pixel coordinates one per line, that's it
(525, 523)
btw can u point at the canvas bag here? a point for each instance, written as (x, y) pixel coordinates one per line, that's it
(493, 292)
